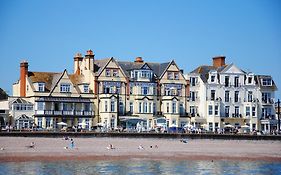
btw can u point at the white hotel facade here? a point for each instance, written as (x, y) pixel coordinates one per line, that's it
(223, 94)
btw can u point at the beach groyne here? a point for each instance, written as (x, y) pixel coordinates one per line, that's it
(142, 135)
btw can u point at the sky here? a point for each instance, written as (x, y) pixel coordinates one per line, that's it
(47, 33)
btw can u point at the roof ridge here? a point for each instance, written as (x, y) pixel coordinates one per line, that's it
(45, 72)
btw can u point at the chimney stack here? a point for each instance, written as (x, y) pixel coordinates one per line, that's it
(218, 61)
(139, 60)
(89, 60)
(23, 74)
(78, 58)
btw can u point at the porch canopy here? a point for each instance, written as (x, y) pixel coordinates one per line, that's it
(25, 118)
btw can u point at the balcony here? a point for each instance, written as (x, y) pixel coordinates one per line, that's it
(64, 113)
(267, 101)
(194, 115)
(268, 117)
(218, 99)
(235, 115)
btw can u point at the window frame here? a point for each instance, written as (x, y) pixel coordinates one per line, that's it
(65, 87)
(41, 86)
(210, 110)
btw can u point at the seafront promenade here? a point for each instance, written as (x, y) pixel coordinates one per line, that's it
(141, 135)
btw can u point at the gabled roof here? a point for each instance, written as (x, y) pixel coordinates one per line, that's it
(52, 78)
(100, 64)
(166, 66)
(157, 68)
(20, 101)
(230, 66)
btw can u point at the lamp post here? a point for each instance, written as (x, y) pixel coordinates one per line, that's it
(118, 106)
(278, 115)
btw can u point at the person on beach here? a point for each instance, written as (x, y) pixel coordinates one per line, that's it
(71, 143)
(65, 138)
(110, 146)
(140, 147)
(183, 140)
(32, 145)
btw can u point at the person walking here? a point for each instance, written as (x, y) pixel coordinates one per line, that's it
(72, 143)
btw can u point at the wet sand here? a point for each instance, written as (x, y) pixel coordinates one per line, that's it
(53, 149)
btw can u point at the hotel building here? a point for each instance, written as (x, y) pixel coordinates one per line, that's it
(223, 95)
(101, 92)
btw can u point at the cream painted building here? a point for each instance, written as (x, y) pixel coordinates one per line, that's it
(57, 97)
(139, 91)
(103, 92)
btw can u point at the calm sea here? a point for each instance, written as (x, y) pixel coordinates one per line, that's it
(140, 166)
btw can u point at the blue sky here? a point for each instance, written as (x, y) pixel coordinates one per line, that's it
(49, 33)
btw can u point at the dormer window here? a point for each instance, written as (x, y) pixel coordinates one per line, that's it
(41, 87)
(65, 87)
(266, 82)
(86, 88)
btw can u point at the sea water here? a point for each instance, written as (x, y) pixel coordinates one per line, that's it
(140, 166)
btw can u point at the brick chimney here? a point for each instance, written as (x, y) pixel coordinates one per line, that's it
(139, 60)
(89, 60)
(78, 58)
(23, 74)
(218, 61)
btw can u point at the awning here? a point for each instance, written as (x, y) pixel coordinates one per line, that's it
(124, 118)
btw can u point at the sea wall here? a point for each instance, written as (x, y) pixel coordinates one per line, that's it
(142, 135)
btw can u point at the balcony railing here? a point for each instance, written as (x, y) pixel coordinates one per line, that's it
(213, 99)
(267, 101)
(268, 117)
(67, 113)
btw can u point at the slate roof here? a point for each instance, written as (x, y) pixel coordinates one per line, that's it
(157, 68)
(3, 94)
(204, 70)
(127, 66)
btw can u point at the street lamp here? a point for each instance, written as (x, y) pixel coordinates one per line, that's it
(118, 106)
(278, 115)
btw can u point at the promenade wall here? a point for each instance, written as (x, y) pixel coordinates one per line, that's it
(142, 135)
